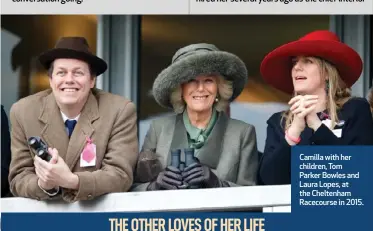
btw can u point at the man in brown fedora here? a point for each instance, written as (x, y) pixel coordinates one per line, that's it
(91, 134)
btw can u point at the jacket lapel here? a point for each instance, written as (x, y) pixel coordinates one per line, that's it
(179, 138)
(53, 133)
(210, 153)
(82, 131)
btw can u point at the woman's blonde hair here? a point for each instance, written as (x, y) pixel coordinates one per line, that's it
(225, 92)
(370, 99)
(337, 92)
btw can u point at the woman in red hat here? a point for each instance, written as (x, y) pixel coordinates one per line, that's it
(318, 70)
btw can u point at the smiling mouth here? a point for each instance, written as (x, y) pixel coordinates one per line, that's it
(300, 78)
(200, 97)
(69, 89)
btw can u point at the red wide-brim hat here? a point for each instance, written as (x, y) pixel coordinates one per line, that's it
(276, 66)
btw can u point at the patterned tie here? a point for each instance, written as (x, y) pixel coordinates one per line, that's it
(70, 124)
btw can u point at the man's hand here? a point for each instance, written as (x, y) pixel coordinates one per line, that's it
(46, 185)
(55, 173)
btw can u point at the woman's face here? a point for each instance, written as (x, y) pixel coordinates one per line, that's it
(200, 93)
(306, 76)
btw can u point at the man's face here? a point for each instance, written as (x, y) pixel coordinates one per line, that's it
(71, 81)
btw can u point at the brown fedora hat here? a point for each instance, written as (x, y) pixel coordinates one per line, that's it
(73, 48)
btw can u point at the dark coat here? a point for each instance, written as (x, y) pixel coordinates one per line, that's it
(5, 153)
(275, 163)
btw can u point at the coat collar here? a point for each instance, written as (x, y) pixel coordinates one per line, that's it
(54, 131)
(210, 153)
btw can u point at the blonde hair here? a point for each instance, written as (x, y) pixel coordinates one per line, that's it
(337, 94)
(370, 99)
(225, 92)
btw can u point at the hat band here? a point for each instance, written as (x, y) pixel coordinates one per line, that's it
(197, 49)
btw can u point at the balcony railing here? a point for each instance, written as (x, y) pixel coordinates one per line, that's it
(250, 198)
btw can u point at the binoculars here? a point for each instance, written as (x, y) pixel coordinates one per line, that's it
(176, 158)
(177, 163)
(40, 147)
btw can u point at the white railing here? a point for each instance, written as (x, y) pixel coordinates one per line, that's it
(268, 198)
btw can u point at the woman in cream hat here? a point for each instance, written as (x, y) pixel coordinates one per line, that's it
(198, 86)
(318, 70)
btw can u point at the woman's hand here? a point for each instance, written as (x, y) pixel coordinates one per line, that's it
(301, 106)
(169, 179)
(201, 176)
(313, 121)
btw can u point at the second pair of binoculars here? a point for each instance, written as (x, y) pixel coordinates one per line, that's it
(40, 147)
(177, 163)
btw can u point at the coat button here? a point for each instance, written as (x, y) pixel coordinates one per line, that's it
(89, 196)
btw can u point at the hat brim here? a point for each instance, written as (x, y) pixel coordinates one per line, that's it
(98, 65)
(222, 63)
(276, 66)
